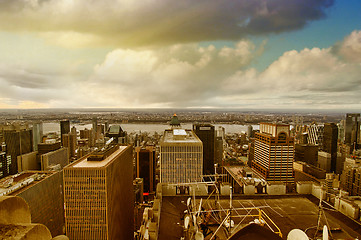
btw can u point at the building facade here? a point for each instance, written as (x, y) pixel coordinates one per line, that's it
(64, 128)
(352, 129)
(17, 143)
(146, 167)
(315, 134)
(98, 195)
(329, 144)
(206, 133)
(273, 152)
(181, 157)
(306, 153)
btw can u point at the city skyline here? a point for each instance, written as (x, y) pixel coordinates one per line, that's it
(236, 54)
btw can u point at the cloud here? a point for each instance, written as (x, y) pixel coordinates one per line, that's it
(350, 47)
(168, 76)
(190, 75)
(139, 23)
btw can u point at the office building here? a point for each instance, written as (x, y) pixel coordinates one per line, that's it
(324, 161)
(87, 134)
(43, 193)
(55, 158)
(17, 143)
(273, 152)
(249, 131)
(28, 161)
(64, 129)
(352, 129)
(49, 146)
(329, 144)
(341, 130)
(146, 166)
(99, 196)
(5, 162)
(307, 153)
(315, 135)
(206, 134)
(94, 129)
(116, 132)
(220, 144)
(70, 141)
(37, 135)
(181, 157)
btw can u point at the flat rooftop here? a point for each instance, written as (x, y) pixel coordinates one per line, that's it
(287, 212)
(14, 184)
(180, 136)
(84, 163)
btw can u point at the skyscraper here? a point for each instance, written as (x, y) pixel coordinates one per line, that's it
(352, 129)
(181, 157)
(273, 152)
(206, 134)
(37, 134)
(69, 141)
(329, 145)
(99, 197)
(64, 129)
(146, 166)
(315, 135)
(17, 143)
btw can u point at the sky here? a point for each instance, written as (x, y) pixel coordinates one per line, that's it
(243, 54)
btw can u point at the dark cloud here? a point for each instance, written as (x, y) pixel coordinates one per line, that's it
(162, 22)
(282, 15)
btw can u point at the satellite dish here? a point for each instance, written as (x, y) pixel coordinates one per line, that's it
(325, 233)
(297, 234)
(186, 221)
(199, 236)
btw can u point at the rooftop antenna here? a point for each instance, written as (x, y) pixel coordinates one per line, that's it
(320, 213)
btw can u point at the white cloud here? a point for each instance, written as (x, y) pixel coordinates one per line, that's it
(187, 75)
(350, 48)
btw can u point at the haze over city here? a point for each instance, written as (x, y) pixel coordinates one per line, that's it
(180, 54)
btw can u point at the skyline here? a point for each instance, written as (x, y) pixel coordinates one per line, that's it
(163, 54)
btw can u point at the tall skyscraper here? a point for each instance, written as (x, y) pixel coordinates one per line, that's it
(329, 145)
(146, 166)
(206, 134)
(273, 152)
(17, 143)
(99, 197)
(95, 129)
(37, 135)
(64, 129)
(352, 129)
(181, 157)
(315, 135)
(69, 141)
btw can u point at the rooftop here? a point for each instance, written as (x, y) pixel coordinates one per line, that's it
(84, 163)
(14, 184)
(180, 136)
(287, 212)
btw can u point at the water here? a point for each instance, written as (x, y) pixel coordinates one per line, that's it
(148, 127)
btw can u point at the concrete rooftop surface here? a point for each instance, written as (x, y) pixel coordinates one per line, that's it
(287, 212)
